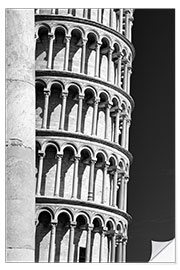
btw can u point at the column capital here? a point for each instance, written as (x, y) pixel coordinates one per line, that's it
(81, 96)
(93, 160)
(72, 224)
(41, 153)
(64, 93)
(89, 227)
(97, 100)
(84, 40)
(126, 11)
(59, 155)
(47, 91)
(67, 38)
(98, 44)
(51, 36)
(77, 157)
(130, 68)
(54, 223)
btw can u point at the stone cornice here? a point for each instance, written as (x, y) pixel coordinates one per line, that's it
(69, 74)
(56, 133)
(85, 204)
(89, 22)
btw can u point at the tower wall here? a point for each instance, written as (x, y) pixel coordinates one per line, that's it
(83, 113)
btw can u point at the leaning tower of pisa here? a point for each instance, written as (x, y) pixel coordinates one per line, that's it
(83, 114)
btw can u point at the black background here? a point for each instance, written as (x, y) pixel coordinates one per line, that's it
(151, 188)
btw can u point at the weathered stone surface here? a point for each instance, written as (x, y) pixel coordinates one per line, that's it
(20, 135)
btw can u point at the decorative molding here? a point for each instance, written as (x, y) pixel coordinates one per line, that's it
(68, 74)
(60, 133)
(86, 21)
(84, 204)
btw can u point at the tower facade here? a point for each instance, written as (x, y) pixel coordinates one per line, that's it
(83, 113)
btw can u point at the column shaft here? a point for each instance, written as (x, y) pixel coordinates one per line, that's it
(88, 244)
(38, 189)
(109, 64)
(125, 75)
(101, 248)
(119, 252)
(97, 60)
(117, 126)
(91, 181)
(52, 243)
(104, 184)
(94, 122)
(124, 251)
(111, 17)
(46, 104)
(127, 24)
(58, 175)
(107, 118)
(79, 114)
(115, 188)
(123, 136)
(63, 110)
(127, 134)
(50, 51)
(113, 247)
(66, 57)
(120, 20)
(83, 56)
(75, 177)
(71, 244)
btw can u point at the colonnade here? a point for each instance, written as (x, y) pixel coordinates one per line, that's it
(116, 60)
(119, 19)
(115, 243)
(118, 181)
(115, 114)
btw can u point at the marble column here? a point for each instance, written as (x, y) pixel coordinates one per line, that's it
(83, 55)
(91, 181)
(50, 51)
(127, 14)
(104, 183)
(115, 188)
(94, 121)
(66, 55)
(20, 135)
(75, 177)
(113, 247)
(128, 123)
(52, 243)
(46, 105)
(109, 64)
(117, 126)
(40, 170)
(98, 45)
(101, 247)
(129, 72)
(107, 120)
(58, 174)
(120, 20)
(71, 242)
(79, 114)
(123, 136)
(63, 110)
(88, 243)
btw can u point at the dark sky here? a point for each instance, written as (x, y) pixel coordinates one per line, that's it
(151, 194)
